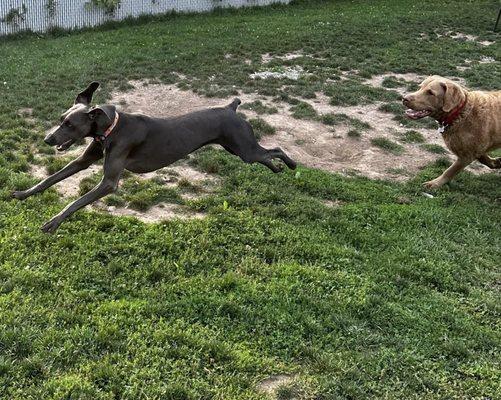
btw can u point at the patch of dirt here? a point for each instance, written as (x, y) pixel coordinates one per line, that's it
(317, 145)
(71, 185)
(309, 142)
(377, 80)
(171, 176)
(159, 100)
(293, 73)
(159, 212)
(459, 36)
(270, 385)
(25, 112)
(486, 42)
(486, 60)
(266, 58)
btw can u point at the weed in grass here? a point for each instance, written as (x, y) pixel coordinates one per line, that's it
(412, 136)
(352, 93)
(398, 171)
(242, 115)
(392, 107)
(89, 182)
(185, 185)
(259, 108)
(354, 133)
(54, 164)
(115, 200)
(142, 194)
(434, 148)
(343, 119)
(391, 82)
(388, 145)
(303, 111)
(261, 127)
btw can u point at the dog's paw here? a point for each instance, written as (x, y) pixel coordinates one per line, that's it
(19, 194)
(433, 184)
(51, 226)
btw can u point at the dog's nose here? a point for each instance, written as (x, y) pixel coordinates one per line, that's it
(406, 99)
(50, 140)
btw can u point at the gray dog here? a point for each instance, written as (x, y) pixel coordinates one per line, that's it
(141, 144)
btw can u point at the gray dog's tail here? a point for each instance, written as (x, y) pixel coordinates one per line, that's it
(234, 104)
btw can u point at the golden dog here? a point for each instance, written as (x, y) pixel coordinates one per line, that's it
(469, 121)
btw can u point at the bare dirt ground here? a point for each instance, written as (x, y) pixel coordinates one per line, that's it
(309, 142)
(171, 176)
(269, 386)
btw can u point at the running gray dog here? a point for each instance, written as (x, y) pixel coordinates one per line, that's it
(142, 144)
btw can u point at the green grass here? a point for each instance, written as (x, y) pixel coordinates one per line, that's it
(259, 108)
(261, 128)
(375, 298)
(388, 145)
(434, 148)
(354, 133)
(412, 136)
(303, 111)
(343, 119)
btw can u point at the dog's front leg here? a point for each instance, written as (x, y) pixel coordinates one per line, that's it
(448, 174)
(92, 153)
(112, 170)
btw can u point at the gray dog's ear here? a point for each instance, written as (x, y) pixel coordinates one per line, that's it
(102, 114)
(85, 97)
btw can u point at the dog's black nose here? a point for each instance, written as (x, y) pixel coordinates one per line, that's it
(50, 140)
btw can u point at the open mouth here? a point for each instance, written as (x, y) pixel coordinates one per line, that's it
(414, 114)
(65, 145)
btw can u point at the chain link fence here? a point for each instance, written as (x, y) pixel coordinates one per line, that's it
(44, 15)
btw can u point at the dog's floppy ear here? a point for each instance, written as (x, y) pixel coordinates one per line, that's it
(453, 95)
(102, 114)
(85, 97)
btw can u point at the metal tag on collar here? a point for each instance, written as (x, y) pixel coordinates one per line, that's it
(442, 128)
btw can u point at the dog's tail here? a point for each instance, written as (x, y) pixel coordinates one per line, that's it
(234, 104)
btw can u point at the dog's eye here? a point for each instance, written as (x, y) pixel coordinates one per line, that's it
(68, 124)
(431, 93)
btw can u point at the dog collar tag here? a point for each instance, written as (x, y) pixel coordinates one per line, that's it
(442, 128)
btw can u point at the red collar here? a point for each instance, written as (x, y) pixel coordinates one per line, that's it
(108, 131)
(449, 119)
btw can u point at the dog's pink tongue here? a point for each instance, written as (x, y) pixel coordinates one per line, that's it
(413, 114)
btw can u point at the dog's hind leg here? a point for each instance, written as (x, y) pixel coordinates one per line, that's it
(241, 141)
(92, 153)
(493, 163)
(277, 152)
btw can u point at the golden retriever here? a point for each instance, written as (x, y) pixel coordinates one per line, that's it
(469, 121)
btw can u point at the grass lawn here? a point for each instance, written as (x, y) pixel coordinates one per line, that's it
(360, 289)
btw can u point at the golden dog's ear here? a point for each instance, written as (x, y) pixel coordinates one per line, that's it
(453, 96)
